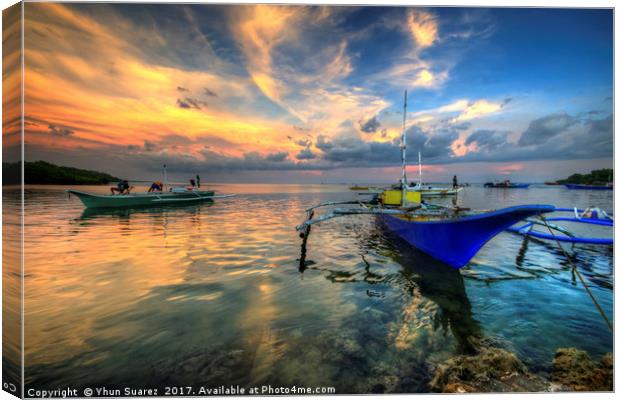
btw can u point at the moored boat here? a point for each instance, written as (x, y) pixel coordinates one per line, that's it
(94, 200)
(357, 187)
(506, 185)
(452, 235)
(456, 240)
(431, 191)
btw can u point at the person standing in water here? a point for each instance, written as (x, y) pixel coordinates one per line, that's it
(455, 182)
(198, 180)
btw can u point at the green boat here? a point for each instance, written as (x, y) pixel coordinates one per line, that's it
(94, 200)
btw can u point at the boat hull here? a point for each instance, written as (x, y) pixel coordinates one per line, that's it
(456, 241)
(587, 187)
(91, 200)
(511, 186)
(439, 192)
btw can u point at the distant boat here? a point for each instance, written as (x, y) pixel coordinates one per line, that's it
(429, 191)
(357, 187)
(506, 185)
(574, 186)
(552, 183)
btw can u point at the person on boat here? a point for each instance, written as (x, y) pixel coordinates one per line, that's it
(455, 182)
(198, 180)
(156, 186)
(121, 188)
(192, 182)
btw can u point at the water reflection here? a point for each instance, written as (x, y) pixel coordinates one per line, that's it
(126, 213)
(11, 288)
(420, 275)
(213, 293)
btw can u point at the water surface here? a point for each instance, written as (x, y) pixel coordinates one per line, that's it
(214, 293)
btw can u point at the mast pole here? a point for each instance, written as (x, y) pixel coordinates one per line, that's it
(403, 152)
(420, 168)
(165, 179)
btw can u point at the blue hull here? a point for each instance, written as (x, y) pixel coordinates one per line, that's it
(456, 241)
(587, 187)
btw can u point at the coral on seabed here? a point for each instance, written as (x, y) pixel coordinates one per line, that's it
(490, 370)
(494, 369)
(575, 369)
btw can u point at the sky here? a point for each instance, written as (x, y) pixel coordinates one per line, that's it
(266, 93)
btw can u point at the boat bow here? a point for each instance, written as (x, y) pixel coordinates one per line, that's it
(455, 241)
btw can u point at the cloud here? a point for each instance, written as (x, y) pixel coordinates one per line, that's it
(371, 125)
(306, 154)
(59, 130)
(462, 126)
(433, 145)
(305, 142)
(323, 144)
(478, 109)
(486, 139)
(425, 78)
(542, 129)
(277, 157)
(209, 92)
(423, 27)
(188, 102)
(282, 94)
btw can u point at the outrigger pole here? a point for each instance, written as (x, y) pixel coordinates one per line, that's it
(403, 151)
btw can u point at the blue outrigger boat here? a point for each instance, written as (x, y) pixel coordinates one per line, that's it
(451, 235)
(456, 240)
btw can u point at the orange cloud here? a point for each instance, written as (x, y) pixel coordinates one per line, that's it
(423, 27)
(98, 84)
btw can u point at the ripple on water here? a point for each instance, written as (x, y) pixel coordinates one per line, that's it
(213, 293)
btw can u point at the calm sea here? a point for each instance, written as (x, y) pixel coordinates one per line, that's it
(213, 294)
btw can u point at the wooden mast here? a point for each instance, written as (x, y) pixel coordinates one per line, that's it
(403, 154)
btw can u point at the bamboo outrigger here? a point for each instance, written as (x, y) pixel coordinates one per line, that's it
(452, 235)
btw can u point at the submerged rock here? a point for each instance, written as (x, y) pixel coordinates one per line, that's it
(575, 369)
(490, 370)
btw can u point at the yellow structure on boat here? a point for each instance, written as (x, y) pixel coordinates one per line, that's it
(394, 197)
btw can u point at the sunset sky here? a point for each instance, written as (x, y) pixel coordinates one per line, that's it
(315, 94)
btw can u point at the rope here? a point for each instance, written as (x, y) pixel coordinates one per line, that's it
(576, 271)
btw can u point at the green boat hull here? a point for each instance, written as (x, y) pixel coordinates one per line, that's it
(92, 200)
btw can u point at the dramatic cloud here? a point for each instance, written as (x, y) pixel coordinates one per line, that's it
(60, 131)
(478, 109)
(306, 154)
(542, 129)
(305, 142)
(323, 144)
(423, 26)
(277, 157)
(487, 139)
(267, 88)
(371, 125)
